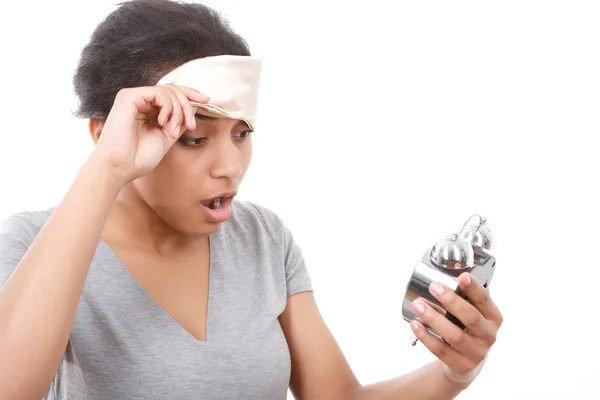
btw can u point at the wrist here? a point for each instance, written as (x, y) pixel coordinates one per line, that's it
(463, 378)
(107, 176)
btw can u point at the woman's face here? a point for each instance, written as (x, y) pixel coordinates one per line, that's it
(207, 163)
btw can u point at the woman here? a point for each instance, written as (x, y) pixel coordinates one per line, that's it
(149, 280)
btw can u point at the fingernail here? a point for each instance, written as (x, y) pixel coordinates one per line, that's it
(414, 325)
(418, 307)
(467, 279)
(436, 288)
(176, 132)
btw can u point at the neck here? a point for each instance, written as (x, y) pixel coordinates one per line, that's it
(132, 221)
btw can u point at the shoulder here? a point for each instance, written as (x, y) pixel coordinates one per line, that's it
(256, 220)
(25, 225)
(259, 233)
(17, 233)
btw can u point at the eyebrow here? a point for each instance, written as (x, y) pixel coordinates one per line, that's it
(205, 117)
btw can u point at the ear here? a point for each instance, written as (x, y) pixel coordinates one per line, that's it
(95, 126)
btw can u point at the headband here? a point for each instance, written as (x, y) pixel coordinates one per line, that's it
(231, 82)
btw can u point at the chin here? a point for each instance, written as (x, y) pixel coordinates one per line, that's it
(192, 227)
(204, 229)
(188, 223)
(197, 220)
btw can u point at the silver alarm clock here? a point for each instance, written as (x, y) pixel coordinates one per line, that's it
(466, 251)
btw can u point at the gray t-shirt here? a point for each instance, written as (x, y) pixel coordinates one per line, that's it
(124, 346)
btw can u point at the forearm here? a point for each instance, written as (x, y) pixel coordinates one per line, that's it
(39, 301)
(426, 383)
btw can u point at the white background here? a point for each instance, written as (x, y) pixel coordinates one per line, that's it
(384, 125)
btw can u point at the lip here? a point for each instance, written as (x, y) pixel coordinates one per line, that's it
(219, 216)
(225, 195)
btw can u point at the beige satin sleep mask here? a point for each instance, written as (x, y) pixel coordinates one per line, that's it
(231, 82)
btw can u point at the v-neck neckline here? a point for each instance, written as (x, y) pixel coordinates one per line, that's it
(148, 298)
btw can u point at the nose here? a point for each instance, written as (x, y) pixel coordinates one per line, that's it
(227, 160)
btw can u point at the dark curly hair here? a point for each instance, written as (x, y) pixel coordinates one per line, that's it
(141, 41)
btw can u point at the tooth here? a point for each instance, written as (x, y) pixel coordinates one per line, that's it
(217, 203)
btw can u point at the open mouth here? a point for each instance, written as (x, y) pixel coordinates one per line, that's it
(216, 203)
(219, 202)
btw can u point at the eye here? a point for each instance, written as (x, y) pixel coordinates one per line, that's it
(243, 135)
(192, 141)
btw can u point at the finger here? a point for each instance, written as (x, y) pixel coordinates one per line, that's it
(176, 119)
(145, 100)
(152, 117)
(162, 100)
(193, 94)
(467, 314)
(480, 298)
(189, 114)
(446, 354)
(456, 337)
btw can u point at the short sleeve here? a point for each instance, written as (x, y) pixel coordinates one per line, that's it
(297, 276)
(16, 235)
(296, 272)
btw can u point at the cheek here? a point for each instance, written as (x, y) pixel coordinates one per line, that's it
(174, 180)
(246, 156)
